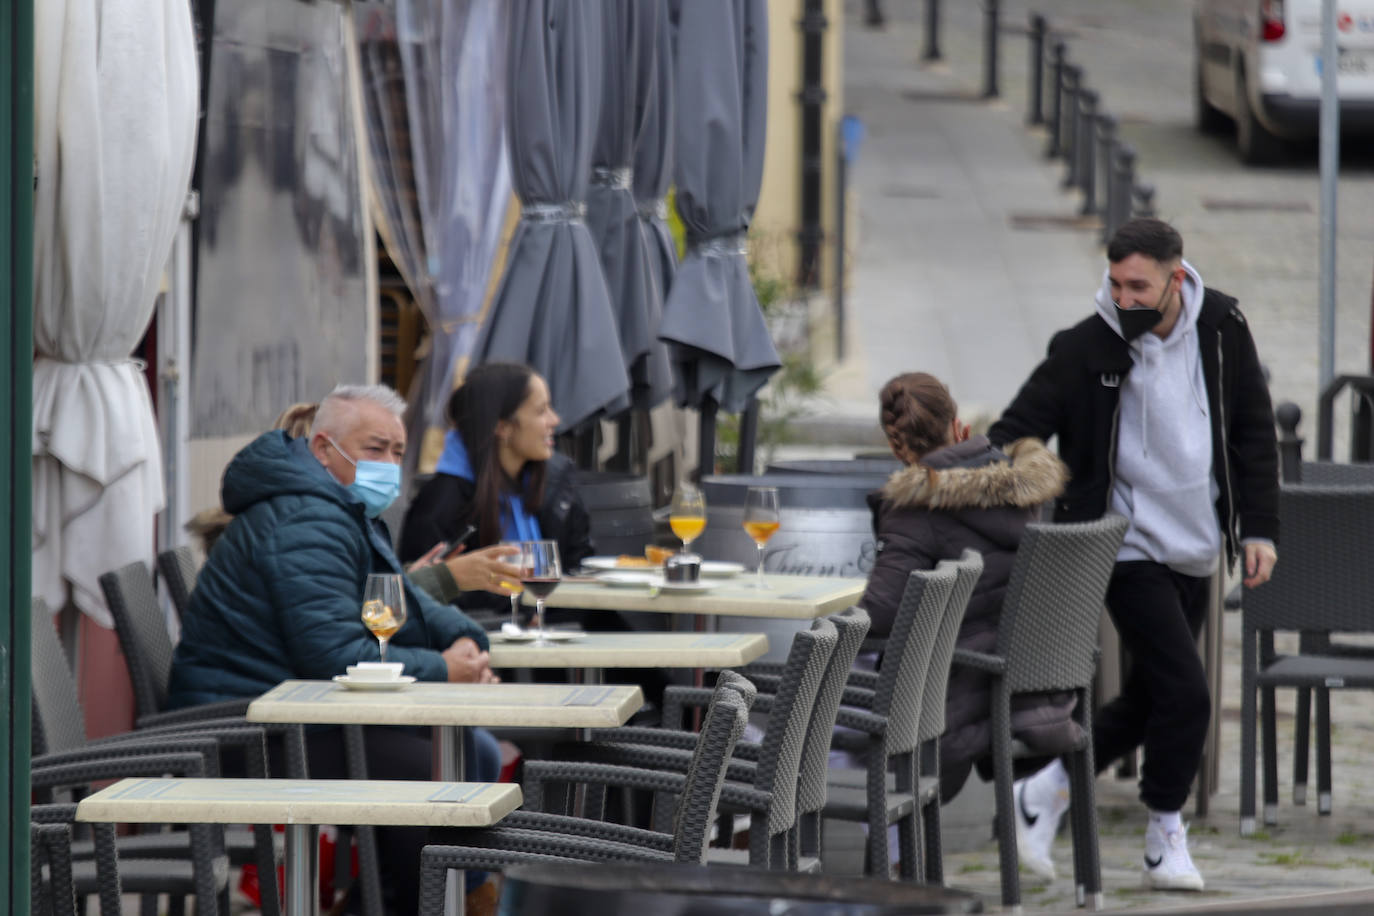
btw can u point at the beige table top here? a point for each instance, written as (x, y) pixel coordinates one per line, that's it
(423, 703)
(789, 598)
(634, 650)
(301, 801)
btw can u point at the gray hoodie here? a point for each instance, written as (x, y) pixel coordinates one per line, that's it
(1163, 478)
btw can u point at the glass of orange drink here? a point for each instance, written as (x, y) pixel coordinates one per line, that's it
(761, 520)
(687, 517)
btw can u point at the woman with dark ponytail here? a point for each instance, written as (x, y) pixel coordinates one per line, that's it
(499, 474)
(958, 492)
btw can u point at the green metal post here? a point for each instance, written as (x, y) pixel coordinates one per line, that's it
(16, 423)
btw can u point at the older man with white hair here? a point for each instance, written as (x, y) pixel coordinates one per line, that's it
(280, 595)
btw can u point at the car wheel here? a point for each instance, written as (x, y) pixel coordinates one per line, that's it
(1256, 145)
(1210, 119)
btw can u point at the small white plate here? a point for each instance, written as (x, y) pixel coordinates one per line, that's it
(609, 563)
(688, 587)
(513, 636)
(631, 578)
(344, 680)
(563, 635)
(721, 569)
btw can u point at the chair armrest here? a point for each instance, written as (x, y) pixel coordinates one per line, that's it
(992, 664)
(223, 710)
(223, 732)
(858, 697)
(861, 720)
(586, 827)
(654, 737)
(82, 773)
(739, 795)
(206, 748)
(868, 680)
(748, 750)
(766, 683)
(539, 772)
(677, 699)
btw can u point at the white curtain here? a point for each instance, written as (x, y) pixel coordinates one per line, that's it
(115, 124)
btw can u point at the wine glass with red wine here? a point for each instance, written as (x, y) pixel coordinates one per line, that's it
(540, 572)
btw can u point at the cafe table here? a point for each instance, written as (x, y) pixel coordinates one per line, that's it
(448, 708)
(786, 597)
(302, 805)
(590, 655)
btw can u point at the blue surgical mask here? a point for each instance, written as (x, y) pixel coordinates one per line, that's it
(376, 483)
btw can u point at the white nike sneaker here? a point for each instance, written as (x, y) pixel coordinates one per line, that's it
(1036, 826)
(1168, 866)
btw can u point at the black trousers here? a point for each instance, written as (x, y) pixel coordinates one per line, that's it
(1164, 704)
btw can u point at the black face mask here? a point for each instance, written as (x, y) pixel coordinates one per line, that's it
(1138, 321)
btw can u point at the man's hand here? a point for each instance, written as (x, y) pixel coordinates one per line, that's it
(1259, 564)
(484, 570)
(467, 664)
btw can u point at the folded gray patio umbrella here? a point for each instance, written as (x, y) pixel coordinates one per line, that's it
(552, 310)
(722, 350)
(629, 30)
(653, 171)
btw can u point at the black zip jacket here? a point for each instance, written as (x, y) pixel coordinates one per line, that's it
(444, 507)
(1075, 394)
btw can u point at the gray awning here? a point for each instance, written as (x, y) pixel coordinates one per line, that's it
(552, 310)
(722, 351)
(628, 32)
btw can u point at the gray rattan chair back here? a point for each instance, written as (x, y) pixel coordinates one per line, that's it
(737, 682)
(59, 724)
(785, 733)
(902, 677)
(720, 730)
(1053, 605)
(851, 626)
(966, 572)
(1326, 578)
(142, 631)
(178, 570)
(1336, 474)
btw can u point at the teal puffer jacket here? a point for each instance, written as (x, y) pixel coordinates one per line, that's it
(281, 593)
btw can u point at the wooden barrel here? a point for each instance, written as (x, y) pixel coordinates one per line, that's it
(624, 889)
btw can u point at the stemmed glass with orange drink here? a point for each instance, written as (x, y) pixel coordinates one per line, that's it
(687, 517)
(762, 519)
(384, 607)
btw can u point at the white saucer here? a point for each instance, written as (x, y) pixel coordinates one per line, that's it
(688, 587)
(344, 680)
(563, 635)
(721, 569)
(609, 563)
(638, 578)
(513, 636)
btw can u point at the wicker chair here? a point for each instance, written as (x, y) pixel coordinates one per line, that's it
(148, 649)
(1321, 587)
(178, 570)
(59, 739)
(529, 835)
(883, 713)
(99, 875)
(1047, 641)
(766, 787)
(51, 891)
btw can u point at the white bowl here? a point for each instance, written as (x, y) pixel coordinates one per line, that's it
(375, 671)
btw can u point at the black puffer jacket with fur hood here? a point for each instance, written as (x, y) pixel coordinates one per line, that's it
(969, 495)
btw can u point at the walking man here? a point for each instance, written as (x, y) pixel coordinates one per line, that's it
(1163, 416)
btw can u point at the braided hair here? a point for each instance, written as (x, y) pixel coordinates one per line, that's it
(916, 412)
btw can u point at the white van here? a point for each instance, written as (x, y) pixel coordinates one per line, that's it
(1259, 64)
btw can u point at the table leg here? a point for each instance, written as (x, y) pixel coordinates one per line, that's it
(302, 870)
(451, 767)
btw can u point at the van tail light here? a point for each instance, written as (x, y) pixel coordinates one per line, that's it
(1271, 20)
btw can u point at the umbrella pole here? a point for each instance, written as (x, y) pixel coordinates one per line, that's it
(748, 436)
(706, 439)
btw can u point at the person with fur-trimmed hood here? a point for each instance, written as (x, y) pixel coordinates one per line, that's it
(959, 492)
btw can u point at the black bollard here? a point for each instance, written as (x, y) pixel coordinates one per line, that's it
(991, 14)
(1106, 154)
(1144, 200)
(1087, 150)
(1073, 77)
(1055, 120)
(1289, 415)
(1035, 100)
(1125, 182)
(875, 18)
(932, 50)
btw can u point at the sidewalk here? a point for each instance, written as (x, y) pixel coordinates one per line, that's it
(966, 257)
